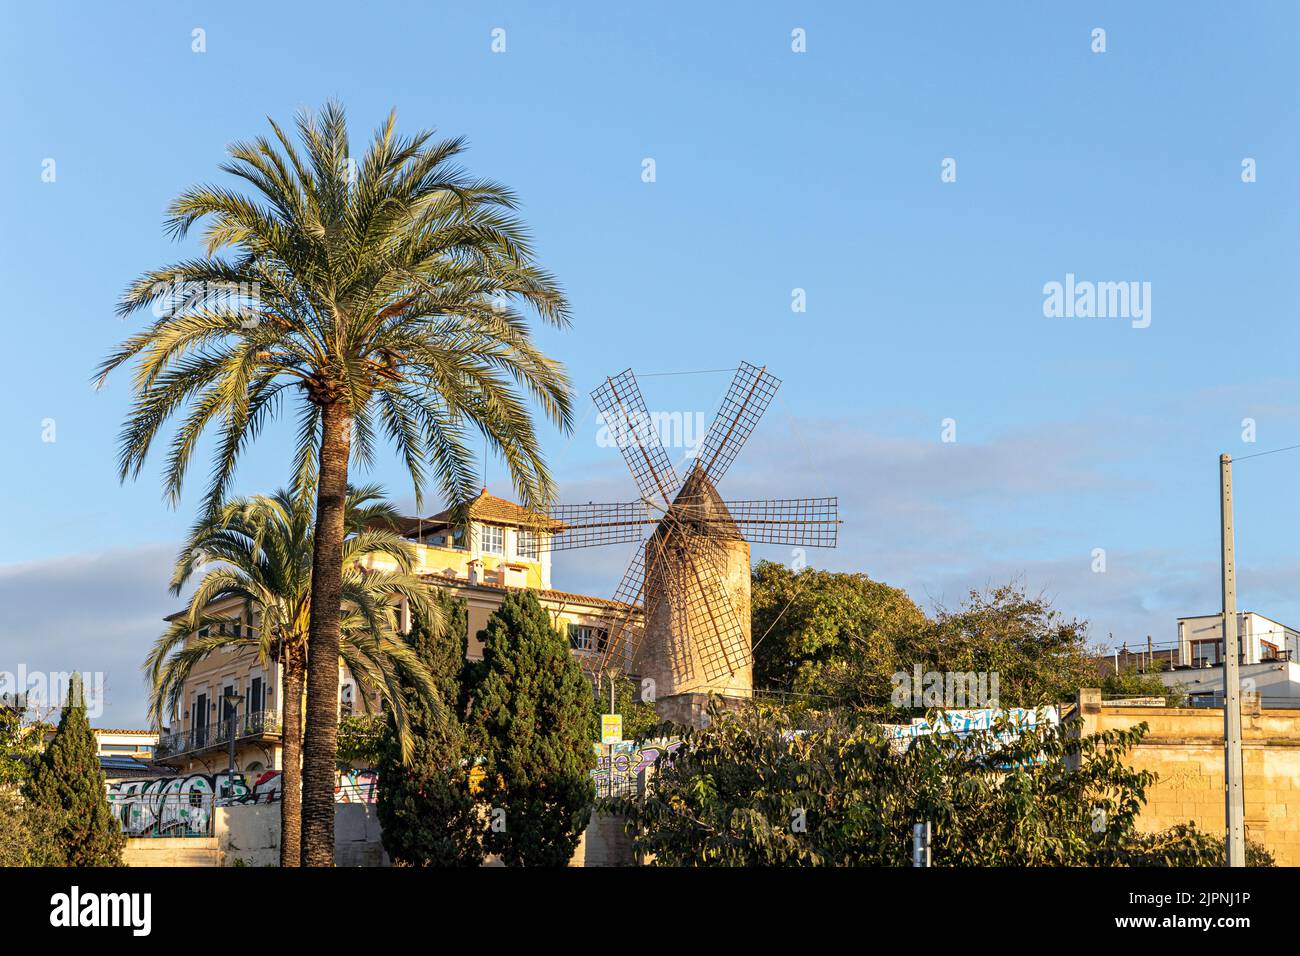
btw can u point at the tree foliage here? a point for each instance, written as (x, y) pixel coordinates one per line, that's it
(752, 789)
(361, 739)
(1130, 683)
(18, 746)
(824, 633)
(66, 798)
(427, 811)
(18, 751)
(836, 640)
(1040, 656)
(258, 551)
(387, 296)
(534, 725)
(392, 284)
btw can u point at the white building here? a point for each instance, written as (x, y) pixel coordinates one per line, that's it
(1200, 639)
(1269, 651)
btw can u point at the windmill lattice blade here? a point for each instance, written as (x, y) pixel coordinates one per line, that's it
(807, 522)
(675, 593)
(592, 525)
(624, 626)
(751, 391)
(623, 409)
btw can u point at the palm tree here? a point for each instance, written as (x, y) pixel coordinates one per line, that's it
(259, 550)
(388, 295)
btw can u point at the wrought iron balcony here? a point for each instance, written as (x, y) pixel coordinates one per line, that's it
(259, 725)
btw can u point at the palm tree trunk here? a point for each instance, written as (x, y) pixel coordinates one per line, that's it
(320, 746)
(291, 758)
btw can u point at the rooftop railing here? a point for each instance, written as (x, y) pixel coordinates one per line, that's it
(1171, 655)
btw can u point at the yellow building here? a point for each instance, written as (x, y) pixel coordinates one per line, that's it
(499, 548)
(135, 744)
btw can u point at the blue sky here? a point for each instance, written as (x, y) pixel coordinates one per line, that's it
(775, 170)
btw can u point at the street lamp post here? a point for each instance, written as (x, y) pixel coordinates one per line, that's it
(232, 701)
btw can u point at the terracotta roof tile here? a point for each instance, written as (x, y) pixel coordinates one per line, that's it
(548, 593)
(487, 507)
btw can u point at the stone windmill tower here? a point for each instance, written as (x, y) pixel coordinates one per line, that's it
(681, 615)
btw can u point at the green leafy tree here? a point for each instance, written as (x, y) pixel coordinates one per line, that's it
(821, 635)
(66, 795)
(18, 751)
(259, 550)
(532, 721)
(1130, 683)
(836, 641)
(1040, 656)
(18, 746)
(426, 807)
(16, 842)
(360, 739)
(753, 789)
(388, 295)
(1185, 845)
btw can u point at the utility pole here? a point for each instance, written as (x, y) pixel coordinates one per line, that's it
(921, 844)
(1234, 797)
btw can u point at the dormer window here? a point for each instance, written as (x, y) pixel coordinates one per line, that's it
(494, 539)
(526, 544)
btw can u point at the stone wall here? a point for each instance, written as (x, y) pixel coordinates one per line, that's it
(604, 843)
(171, 851)
(250, 835)
(1184, 745)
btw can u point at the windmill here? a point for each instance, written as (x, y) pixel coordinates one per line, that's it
(682, 608)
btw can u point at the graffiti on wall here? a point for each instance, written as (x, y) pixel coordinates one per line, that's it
(964, 722)
(182, 805)
(356, 786)
(630, 759)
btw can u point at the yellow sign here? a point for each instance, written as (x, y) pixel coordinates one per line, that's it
(611, 728)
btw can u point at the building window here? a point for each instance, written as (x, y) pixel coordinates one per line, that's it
(1267, 651)
(346, 700)
(494, 539)
(199, 720)
(1207, 653)
(229, 711)
(584, 637)
(527, 544)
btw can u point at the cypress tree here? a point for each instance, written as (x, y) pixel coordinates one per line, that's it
(66, 795)
(425, 806)
(533, 723)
